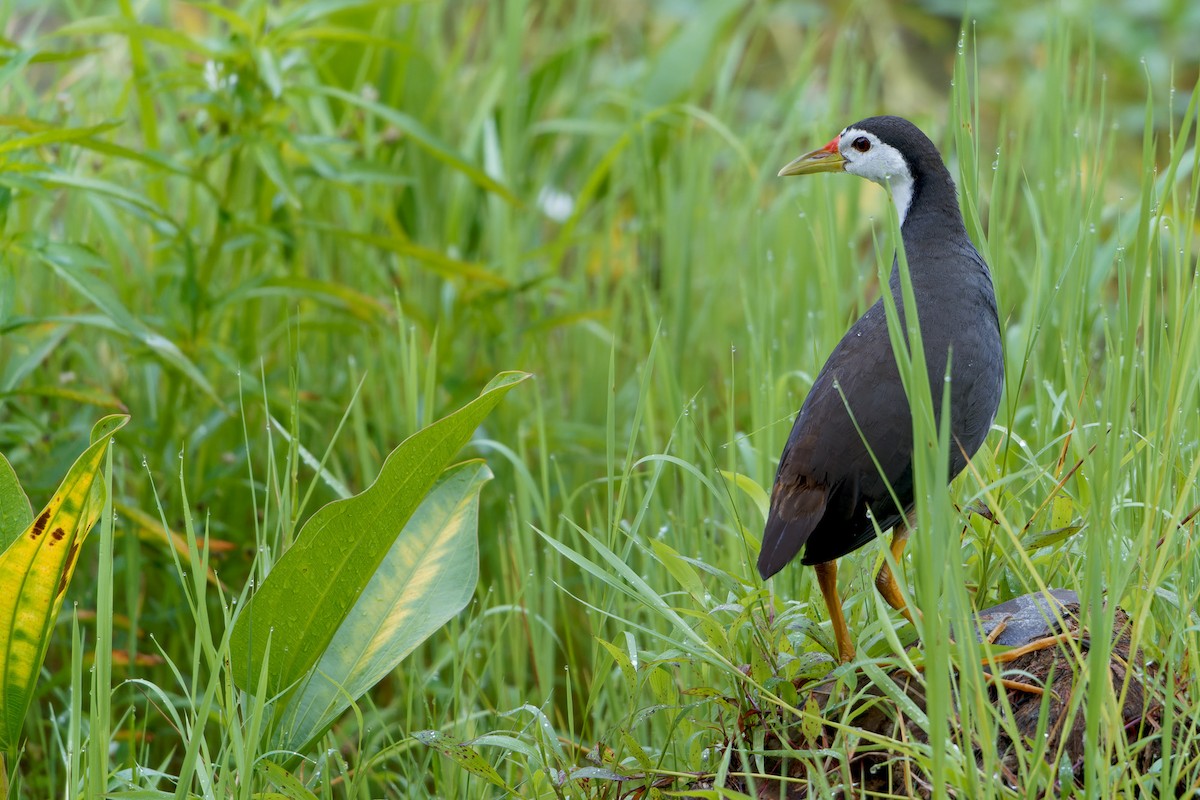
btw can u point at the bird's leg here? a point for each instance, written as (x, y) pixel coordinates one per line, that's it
(885, 581)
(827, 580)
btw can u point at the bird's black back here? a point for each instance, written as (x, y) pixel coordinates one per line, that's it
(828, 487)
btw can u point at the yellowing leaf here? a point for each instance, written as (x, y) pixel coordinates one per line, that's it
(35, 571)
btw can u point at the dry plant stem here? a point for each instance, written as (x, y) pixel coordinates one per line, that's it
(1016, 686)
(1026, 649)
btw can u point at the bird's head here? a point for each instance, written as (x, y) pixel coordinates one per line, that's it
(887, 150)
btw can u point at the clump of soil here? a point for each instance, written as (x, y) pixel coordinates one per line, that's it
(874, 770)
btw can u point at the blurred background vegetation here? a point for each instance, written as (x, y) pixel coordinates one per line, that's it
(213, 214)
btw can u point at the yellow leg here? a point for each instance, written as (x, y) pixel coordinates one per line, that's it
(827, 580)
(885, 581)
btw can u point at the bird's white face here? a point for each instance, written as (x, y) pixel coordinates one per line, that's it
(870, 158)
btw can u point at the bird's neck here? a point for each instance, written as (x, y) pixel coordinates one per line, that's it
(931, 213)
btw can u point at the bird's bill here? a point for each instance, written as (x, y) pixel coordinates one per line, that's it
(827, 159)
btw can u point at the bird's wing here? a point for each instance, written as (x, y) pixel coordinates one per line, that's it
(826, 467)
(797, 505)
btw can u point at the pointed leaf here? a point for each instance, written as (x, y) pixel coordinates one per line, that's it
(461, 753)
(313, 586)
(1062, 511)
(35, 571)
(15, 512)
(74, 264)
(288, 784)
(424, 138)
(428, 576)
(1038, 539)
(680, 570)
(678, 64)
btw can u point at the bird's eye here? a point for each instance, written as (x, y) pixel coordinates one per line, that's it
(862, 144)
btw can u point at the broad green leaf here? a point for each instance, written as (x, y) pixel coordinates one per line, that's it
(314, 585)
(15, 512)
(427, 577)
(35, 571)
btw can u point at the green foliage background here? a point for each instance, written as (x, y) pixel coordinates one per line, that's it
(347, 216)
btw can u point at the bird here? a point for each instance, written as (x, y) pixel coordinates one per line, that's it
(847, 465)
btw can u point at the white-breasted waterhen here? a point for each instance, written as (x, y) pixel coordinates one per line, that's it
(829, 496)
